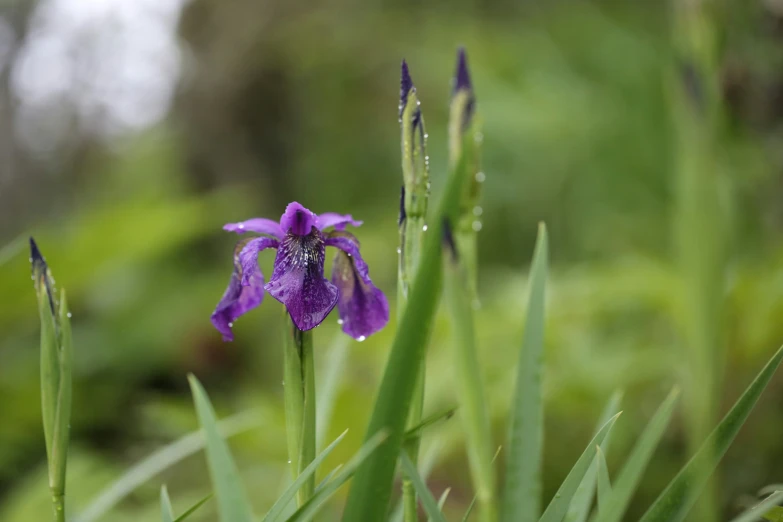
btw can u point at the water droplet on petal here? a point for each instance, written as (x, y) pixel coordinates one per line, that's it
(424, 228)
(241, 225)
(361, 338)
(230, 325)
(480, 177)
(340, 321)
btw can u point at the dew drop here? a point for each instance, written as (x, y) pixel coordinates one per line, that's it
(289, 461)
(479, 137)
(399, 250)
(241, 225)
(230, 325)
(476, 226)
(424, 228)
(480, 177)
(477, 211)
(426, 135)
(69, 314)
(340, 321)
(361, 338)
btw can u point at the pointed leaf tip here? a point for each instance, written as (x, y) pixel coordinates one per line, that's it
(36, 258)
(406, 84)
(462, 76)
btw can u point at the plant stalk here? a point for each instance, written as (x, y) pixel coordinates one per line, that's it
(299, 391)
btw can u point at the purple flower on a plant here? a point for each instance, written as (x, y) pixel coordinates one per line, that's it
(298, 281)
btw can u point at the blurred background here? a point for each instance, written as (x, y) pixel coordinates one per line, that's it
(130, 132)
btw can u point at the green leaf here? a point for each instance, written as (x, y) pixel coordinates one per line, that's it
(427, 500)
(559, 505)
(579, 509)
(441, 501)
(774, 515)
(277, 510)
(604, 484)
(160, 460)
(679, 496)
(62, 418)
(166, 511)
(371, 491)
(308, 511)
(522, 491)
(631, 473)
(762, 509)
(233, 505)
(193, 508)
(435, 418)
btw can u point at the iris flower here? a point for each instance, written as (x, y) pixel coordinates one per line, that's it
(298, 281)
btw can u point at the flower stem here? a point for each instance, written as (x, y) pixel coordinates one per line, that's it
(58, 506)
(299, 391)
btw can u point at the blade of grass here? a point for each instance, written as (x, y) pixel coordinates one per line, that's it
(159, 461)
(559, 505)
(193, 508)
(580, 506)
(427, 500)
(233, 505)
(441, 501)
(435, 418)
(631, 473)
(604, 484)
(276, 512)
(473, 502)
(371, 491)
(522, 491)
(316, 502)
(760, 509)
(166, 511)
(679, 496)
(775, 514)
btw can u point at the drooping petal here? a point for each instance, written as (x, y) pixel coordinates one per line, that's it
(297, 219)
(363, 307)
(245, 289)
(298, 279)
(248, 256)
(338, 221)
(257, 225)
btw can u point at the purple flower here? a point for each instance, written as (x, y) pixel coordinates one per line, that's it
(298, 281)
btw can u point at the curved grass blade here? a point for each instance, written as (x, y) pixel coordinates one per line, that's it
(159, 461)
(166, 511)
(441, 501)
(680, 495)
(193, 508)
(427, 500)
(604, 484)
(316, 502)
(559, 505)
(277, 510)
(233, 505)
(435, 418)
(762, 508)
(631, 473)
(522, 491)
(579, 509)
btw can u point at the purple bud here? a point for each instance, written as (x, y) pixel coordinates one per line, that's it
(462, 75)
(406, 85)
(41, 274)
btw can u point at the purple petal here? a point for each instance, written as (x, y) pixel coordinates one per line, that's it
(406, 85)
(297, 219)
(248, 257)
(245, 289)
(363, 307)
(462, 75)
(338, 221)
(257, 225)
(298, 280)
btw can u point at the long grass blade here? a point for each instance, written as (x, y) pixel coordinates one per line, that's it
(759, 510)
(522, 491)
(166, 511)
(319, 498)
(579, 509)
(161, 460)
(679, 496)
(277, 510)
(631, 473)
(559, 505)
(435, 418)
(233, 505)
(604, 484)
(193, 509)
(441, 501)
(424, 493)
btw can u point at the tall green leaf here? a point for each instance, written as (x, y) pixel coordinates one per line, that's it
(579, 509)
(679, 496)
(371, 491)
(761, 509)
(631, 473)
(604, 484)
(233, 505)
(522, 491)
(166, 511)
(559, 505)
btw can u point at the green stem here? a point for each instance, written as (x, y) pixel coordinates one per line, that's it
(58, 506)
(299, 390)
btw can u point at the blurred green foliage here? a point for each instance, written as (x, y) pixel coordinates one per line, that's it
(281, 102)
